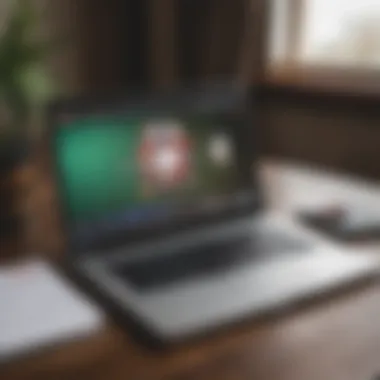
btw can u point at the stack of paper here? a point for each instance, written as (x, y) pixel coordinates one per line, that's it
(38, 307)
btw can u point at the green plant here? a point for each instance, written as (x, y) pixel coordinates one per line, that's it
(24, 82)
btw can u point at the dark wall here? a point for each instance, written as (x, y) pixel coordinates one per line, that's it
(114, 44)
(210, 38)
(333, 129)
(166, 42)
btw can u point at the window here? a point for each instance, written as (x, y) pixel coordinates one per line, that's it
(325, 34)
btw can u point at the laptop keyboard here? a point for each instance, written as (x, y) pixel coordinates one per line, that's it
(208, 259)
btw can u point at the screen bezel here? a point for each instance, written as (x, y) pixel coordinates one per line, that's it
(202, 100)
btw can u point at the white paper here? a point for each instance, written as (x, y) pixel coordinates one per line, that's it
(38, 307)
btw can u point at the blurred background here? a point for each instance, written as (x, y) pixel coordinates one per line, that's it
(312, 65)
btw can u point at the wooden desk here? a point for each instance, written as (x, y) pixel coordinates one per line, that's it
(337, 339)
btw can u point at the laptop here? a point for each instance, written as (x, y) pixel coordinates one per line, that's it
(163, 213)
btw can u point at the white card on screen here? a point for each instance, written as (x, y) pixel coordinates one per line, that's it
(38, 307)
(220, 150)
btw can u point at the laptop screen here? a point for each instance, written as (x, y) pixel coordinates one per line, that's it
(123, 175)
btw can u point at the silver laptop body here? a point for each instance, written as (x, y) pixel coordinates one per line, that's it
(210, 273)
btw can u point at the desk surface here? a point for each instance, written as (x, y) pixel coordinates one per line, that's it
(337, 339)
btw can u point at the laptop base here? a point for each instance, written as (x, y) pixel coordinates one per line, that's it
(177, 310)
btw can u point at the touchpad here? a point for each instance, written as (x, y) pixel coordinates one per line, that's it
(208, 259)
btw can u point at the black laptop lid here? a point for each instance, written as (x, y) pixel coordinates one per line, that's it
(134, 169)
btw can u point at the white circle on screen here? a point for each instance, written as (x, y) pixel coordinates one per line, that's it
(221, 149)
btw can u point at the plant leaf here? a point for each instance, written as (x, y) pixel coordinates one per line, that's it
(36, 85)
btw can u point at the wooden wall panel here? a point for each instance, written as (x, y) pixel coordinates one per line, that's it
(162, 24)
(330, 130)
(253, 44)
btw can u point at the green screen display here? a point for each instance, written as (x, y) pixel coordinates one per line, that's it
(145, 168)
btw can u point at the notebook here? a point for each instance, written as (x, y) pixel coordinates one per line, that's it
(38, 308)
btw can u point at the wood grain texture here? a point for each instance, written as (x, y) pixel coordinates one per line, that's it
(335, 129)
(253, 44)
(337, 338)
(163, 36)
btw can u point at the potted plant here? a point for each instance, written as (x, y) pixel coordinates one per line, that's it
(24, 87)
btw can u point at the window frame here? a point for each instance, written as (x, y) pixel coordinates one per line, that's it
(288, 71)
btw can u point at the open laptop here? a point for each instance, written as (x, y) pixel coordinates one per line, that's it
(163, 213)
